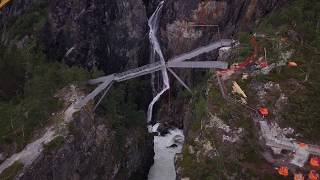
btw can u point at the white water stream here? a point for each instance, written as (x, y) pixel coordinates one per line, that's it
(163, 167)
(153, 23)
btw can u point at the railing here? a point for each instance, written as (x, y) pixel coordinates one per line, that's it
(138, 71)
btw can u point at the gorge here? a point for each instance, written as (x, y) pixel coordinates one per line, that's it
(60, 45)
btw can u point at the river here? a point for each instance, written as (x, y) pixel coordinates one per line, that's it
(165, 148)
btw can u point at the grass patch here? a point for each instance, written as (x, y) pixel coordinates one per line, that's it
(28, 81)
(299, 21)
(208, 169)
(11, 171)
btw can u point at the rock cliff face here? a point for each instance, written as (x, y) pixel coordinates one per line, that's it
(109, 34)
(178, 35)
(231, 16)
(112, 35)
(94, 150)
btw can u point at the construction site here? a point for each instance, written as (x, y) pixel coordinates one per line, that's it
(289, 155)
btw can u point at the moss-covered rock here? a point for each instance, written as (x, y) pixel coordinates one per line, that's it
(11, 172)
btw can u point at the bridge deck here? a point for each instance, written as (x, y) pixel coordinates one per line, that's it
(140, 71)
(79, 104)
(201, 50)
(100, 79)
(157, 66)
(199, 64)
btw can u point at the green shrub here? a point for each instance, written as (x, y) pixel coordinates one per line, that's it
(11, 171)
(302, 17)
(28, 81)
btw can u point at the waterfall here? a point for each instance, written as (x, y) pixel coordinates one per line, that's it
(163, 167)
(153, 23)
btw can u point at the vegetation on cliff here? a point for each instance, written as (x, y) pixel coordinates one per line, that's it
(298, 24)
(297, 27)
(10, 172)
(28, 79)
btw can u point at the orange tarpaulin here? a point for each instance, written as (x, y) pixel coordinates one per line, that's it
(315, 161)
(263, 111)
(283, 171)
(313, 175)
(249, 60)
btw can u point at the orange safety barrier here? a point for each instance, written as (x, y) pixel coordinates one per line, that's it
(315, 161)
(313, 175)
(283, 171)
(263, 111)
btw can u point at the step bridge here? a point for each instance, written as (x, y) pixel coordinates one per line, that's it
(105, 82)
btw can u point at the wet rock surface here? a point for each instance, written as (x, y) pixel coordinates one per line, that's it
(108, 34)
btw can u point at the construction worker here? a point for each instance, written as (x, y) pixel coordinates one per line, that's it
(313, 175)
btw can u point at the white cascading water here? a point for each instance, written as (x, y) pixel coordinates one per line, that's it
(153, 25)
(163, 167)
(165, 149)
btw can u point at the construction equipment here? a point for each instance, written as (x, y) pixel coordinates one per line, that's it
(3, 3)
(298, 176)
(264, 111)
(315, 161)
(313, 175)
(283, 171)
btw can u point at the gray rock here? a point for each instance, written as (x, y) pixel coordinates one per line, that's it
(108, 34)
(1, 157)
(96, 151)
